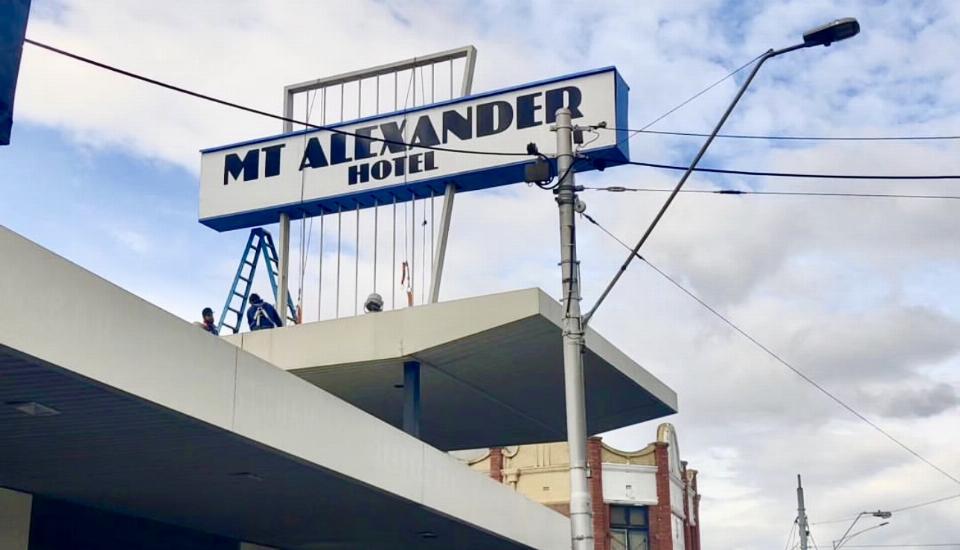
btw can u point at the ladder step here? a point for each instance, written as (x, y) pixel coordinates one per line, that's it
(235, 293)
(248, 263)
(244, 279)
(234, 310)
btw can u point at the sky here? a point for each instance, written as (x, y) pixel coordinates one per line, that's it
(860, 294)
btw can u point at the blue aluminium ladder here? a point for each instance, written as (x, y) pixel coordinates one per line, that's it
(259, 244)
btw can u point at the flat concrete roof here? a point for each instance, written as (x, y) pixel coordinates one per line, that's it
(492, 369)
(159, 419)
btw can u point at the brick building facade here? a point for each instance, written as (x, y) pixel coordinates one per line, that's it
(643, 500)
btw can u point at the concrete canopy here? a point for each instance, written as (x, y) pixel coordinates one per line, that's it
(155, 418)
(492, 369)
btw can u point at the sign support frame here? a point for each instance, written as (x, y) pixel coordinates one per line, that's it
(469, 54)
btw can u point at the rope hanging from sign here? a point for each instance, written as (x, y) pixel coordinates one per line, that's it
(433, 248)
(423, 253)
(413, 248)
(356, 263)
(339, 235)
(393, 259)
(323, 120)
(320, 274)
(409, 260)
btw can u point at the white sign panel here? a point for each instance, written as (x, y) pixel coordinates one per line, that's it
(381, 159)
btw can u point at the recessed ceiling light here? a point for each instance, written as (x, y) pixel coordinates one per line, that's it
(247, 475)
(32, 408)
(427, 535)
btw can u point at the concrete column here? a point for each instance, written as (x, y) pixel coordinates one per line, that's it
(411, 398)
(15, 510)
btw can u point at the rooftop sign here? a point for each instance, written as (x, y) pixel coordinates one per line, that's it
(307, 173)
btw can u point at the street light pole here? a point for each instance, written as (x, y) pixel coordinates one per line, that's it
(581, 509)
(823, 35)
(802, 516)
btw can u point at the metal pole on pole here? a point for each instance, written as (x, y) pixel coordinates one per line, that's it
(284, 252)
(801, 516)
(441, 252)
(284, 266)
(581, 510)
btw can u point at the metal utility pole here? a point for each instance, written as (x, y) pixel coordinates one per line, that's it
(581, 510)
(283, 269)
(443, 234)
(801, 516)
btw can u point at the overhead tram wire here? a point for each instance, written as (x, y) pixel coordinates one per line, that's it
(644, 130)
(774, 355)
(895, 510)
(307, 124)
(928, 545)
(739, 192)
(795, 174)
(666, 114)
(260, 112)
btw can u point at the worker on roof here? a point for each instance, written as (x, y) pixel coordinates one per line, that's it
(261, 315)
(208, 324)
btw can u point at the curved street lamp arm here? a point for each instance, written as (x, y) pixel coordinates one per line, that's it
(683, 179)
(846, 539)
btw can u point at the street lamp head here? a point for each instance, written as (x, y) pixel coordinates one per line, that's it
(834, 31)
(881, 514)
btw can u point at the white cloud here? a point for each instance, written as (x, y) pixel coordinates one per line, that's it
(831, 284)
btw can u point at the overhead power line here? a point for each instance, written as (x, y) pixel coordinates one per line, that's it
(796, 174)
(737, 192)
(675, 108)
(895, 510)
(927, 503)
(689, 99)
(643, 130)
(776, 356)
(260, 112)
(928, 545)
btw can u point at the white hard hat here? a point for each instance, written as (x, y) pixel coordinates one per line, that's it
(374, 303)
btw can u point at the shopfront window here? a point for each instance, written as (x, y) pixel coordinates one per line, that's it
(629, 528)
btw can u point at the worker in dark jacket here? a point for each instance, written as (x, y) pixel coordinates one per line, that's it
(261, 315)
(208, 323)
